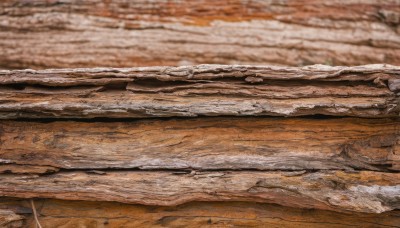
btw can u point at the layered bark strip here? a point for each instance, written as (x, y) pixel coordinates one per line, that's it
(120, 33)
(364, 191)
(202, 144)
(204, 90)
(340, 164)
(58, 213)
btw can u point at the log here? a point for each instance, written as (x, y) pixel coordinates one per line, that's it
(118, 33)
(204, 90)
(59, 213)
(218, 143)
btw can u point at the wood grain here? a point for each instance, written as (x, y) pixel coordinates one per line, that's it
(118, 33)
(59, 213)
(204, 90)
(202, 144)
(372, 192)
(75, 133)
(9, 218)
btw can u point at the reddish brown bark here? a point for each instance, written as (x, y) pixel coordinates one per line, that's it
(118, 33)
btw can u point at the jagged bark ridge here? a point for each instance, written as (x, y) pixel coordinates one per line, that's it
(205, 90)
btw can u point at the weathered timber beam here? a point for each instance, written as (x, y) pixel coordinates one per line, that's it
(202, 144)
(59, 213)
(204, 90)
(365, 191)
(120, 33)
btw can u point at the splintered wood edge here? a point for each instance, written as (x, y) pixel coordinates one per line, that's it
(203, 71)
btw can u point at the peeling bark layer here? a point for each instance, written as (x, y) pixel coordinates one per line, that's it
(365, 191)
(119, 33)
(339, 164)
(205, 90)
(202, 144)
(57, 213)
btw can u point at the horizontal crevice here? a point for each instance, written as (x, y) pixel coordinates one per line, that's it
(193, 171)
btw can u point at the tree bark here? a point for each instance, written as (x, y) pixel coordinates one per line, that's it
(202, 144)
(9, 219)
(365, 191)
(205, 90)
(81, 134)
(59, 213)
(341, 164)
(118, 33)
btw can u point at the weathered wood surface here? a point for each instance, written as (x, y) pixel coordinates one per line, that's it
(119, 33)
(364, 191)
(204, 90)
(341, 164)
(10, 219)
(202, 144)
(57, 213)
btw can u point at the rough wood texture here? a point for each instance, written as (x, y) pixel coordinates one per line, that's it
(57, 213)
(10, 219)
(341, 164)
(202, 144)
(337, 164)
(204, 90)
(364, 191)
(119, 33)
